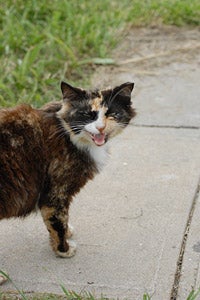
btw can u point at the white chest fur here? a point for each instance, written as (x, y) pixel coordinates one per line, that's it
(99, 155)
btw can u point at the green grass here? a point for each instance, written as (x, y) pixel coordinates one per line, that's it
(171, 12)
(43, 42)
(67, 295)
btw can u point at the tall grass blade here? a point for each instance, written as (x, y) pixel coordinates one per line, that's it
(29, 59)
(68, 50)
(146, 297)
(65, 291)
(193, 295)
(71, 295)
(19, 291)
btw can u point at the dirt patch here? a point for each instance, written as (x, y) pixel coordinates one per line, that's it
(143, 51)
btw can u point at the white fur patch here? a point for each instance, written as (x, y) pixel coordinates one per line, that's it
(99, 154)
(99, 123)
(70, 231)
(71, 251)
(84, 142)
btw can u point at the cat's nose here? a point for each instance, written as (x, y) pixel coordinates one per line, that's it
(101, 128)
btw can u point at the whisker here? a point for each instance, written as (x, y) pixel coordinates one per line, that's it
(63, 132)
(78, 122)
(77, 125)
(76, 128)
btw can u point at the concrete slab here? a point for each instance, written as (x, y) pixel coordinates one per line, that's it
(165, 66)
(190, 278)
(164, 100)
(129, 222)
(168, 96)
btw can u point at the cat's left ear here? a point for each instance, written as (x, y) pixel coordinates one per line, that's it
(71, 93)
(120, 93)
(124, 90)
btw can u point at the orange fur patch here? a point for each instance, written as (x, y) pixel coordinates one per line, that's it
(96, 104)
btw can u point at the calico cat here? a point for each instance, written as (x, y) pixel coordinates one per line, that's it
(47, 155)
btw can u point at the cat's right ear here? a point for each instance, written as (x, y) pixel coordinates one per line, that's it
(71, 93)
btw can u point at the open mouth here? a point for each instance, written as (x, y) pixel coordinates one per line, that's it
(99, 139)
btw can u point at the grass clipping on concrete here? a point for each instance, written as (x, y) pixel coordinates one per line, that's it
(43, 42)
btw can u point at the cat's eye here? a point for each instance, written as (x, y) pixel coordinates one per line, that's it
(118, 115)
(115, 115)
(91, 115)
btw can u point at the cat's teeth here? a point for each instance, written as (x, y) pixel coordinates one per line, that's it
(99, 138)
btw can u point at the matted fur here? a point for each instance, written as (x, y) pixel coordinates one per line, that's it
(47, 155)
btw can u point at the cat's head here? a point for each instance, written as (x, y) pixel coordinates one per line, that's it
(94, 117)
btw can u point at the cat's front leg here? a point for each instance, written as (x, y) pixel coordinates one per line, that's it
(56, 221)
(70, 231)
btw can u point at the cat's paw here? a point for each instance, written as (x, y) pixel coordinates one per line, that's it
(71, 251)
(70, 231)
(2, 279)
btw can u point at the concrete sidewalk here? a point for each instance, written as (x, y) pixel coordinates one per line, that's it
(141, 215)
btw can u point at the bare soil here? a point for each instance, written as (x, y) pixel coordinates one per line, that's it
(143, 51)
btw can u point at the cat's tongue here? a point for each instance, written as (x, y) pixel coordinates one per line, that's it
(99, 139)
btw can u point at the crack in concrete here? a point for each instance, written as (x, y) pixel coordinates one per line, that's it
(167, 126)
(196, 276)
(177, 276)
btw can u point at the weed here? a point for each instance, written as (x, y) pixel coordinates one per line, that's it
(19, 291)
(68, 295)
(193, 295)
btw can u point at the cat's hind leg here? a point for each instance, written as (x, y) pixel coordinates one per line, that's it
(56, 221)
